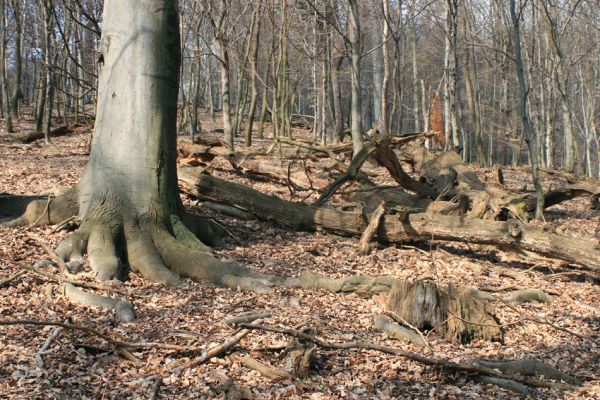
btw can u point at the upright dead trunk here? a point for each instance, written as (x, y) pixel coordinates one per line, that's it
(356, 105)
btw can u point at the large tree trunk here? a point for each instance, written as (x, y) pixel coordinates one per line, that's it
(128, 197)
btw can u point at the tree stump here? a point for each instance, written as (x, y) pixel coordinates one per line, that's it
(455, 313)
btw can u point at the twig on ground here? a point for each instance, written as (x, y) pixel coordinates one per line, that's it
(73, 282)
(10, 279)
(40, 356)
(217, 350)
(53, 256)
(442, 363)
(114, 342)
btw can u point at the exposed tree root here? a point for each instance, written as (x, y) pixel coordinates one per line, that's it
(38, 210)
(529, 368)
(123, 309)
(362, 285)
(507, 384)
(113, 240)
(395, 331)
(530, 296)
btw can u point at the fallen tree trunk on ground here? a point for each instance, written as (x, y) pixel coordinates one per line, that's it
(415, 227)
(570, 192)
(33, 136)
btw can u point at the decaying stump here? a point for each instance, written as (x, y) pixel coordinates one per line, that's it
(452, 312)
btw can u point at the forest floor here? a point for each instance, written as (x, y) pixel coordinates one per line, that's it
(81, 365)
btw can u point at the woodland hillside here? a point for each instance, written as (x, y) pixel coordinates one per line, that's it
(304, 200)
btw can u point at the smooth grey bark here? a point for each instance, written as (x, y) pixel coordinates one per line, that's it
(356, 101)
(221, 44)
(337, 98)
(128, 197)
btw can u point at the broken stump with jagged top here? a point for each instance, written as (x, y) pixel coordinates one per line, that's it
(454, 313)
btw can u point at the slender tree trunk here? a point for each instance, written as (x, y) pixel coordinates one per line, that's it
(560, 76)
(255, 36)
(356, 107)
(337, 98)
(472, 89)
(3, 72)
(385, 118)
(417, 91)
(527, 130)
(17, 92)
(49, 95)
(452, 138)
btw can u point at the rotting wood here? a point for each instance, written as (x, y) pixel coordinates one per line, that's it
(511, 235)
(560, 195)
(363, 245)
(265, 370)
(33, 136)
(426, 306)
(450, 176)
(230, 211)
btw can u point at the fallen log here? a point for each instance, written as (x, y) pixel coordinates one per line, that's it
(33, 136)
(570, 192)
(451, 177)
(511, 235)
